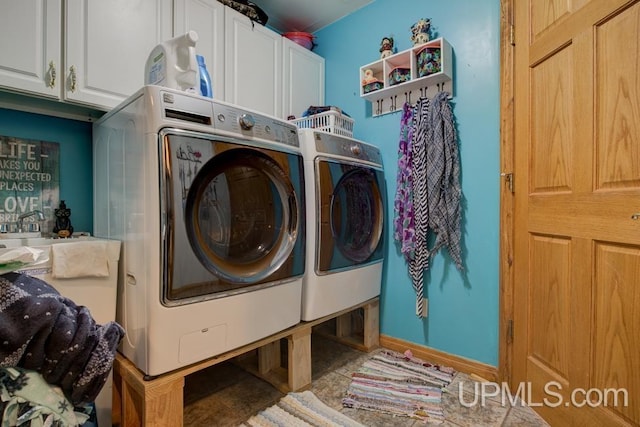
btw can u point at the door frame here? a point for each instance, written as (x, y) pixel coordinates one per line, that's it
(507, 120)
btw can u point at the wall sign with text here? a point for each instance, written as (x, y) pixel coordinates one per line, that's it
(29, 180)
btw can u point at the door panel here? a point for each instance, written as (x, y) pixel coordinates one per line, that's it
(616, 363)
(577, 180)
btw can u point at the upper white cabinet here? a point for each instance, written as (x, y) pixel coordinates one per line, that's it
(253, 64)
(206, 17)
(106, 47)
(96, 60)
(303, 79)
(31, 46)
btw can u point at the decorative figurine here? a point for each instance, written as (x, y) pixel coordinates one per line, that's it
(63, 227)
(386, 47)
(368, 77)
(420, 31)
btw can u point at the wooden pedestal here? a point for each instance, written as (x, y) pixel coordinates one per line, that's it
(159, 402)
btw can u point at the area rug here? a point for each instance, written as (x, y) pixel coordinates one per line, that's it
(300, 409)
(400, 385)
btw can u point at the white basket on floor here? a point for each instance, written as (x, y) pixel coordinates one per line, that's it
(328, 121)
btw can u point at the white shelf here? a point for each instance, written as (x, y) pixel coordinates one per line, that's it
(391, 97)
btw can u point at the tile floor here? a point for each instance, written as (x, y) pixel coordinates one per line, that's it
(226, 395)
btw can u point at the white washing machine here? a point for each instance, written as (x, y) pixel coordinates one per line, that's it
(208, 201)
(346, 205)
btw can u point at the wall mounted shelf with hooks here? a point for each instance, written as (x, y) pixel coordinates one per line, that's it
(423, 70)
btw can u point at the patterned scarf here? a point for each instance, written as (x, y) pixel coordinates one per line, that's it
(429, 193)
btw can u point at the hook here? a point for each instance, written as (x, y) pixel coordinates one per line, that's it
(409, 97)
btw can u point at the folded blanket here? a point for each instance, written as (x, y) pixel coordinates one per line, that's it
(46, 332)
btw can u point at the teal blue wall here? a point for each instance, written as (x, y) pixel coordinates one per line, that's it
(463, 308)
(76, 170)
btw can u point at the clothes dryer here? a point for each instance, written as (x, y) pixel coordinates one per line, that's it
(208, 201)
(346, 204)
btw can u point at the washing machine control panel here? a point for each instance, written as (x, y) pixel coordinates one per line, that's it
(254, 125)
(347, 147)
(229, 118)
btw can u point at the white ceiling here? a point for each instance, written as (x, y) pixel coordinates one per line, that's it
(306, 15)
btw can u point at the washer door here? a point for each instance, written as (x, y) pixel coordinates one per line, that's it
(233, 218)
(250, 238)
(353, 222)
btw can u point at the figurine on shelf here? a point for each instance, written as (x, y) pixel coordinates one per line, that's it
(63, 227)
(368, 77)
(420, 31)
(386, 47)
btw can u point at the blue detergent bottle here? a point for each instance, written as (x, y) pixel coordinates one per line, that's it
(205, 78)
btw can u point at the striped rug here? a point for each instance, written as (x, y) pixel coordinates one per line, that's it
(300, 410)
(400, 385)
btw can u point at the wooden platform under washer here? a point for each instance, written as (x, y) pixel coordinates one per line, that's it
(159, 402)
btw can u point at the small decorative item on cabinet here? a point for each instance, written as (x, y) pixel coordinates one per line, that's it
(428, 61)
(420, 31)
(399, 75)
(370, 83)
(386, 47)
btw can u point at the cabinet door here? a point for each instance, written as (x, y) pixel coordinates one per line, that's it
(303, 79)
(253, 64)
(30, 45)
(107, 45)
(206, 17)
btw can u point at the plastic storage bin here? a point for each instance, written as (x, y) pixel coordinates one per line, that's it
(328, 121)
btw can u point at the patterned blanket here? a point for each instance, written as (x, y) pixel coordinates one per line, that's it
(43, 331)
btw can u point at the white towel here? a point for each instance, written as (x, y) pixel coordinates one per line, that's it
(79, 259)
(20, 257)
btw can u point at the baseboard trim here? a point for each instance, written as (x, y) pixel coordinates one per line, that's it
(458, 363)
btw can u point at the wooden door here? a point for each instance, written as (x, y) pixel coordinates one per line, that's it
(576, 252)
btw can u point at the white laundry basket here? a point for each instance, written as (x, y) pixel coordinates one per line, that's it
(96, 293)
(327, 121)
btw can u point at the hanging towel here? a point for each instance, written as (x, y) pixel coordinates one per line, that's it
(79, 259)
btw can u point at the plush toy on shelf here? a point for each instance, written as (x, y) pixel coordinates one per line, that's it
(368, 77)
(420, 31)
(386, 47)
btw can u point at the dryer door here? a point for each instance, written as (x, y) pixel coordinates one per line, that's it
(351, 211)
(237, 218)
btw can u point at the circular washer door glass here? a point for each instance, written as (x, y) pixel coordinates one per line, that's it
(241, 216)
(356, 214)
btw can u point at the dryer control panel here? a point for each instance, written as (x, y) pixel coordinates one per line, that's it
(346, 147)
(228, 118)
(254, 125)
